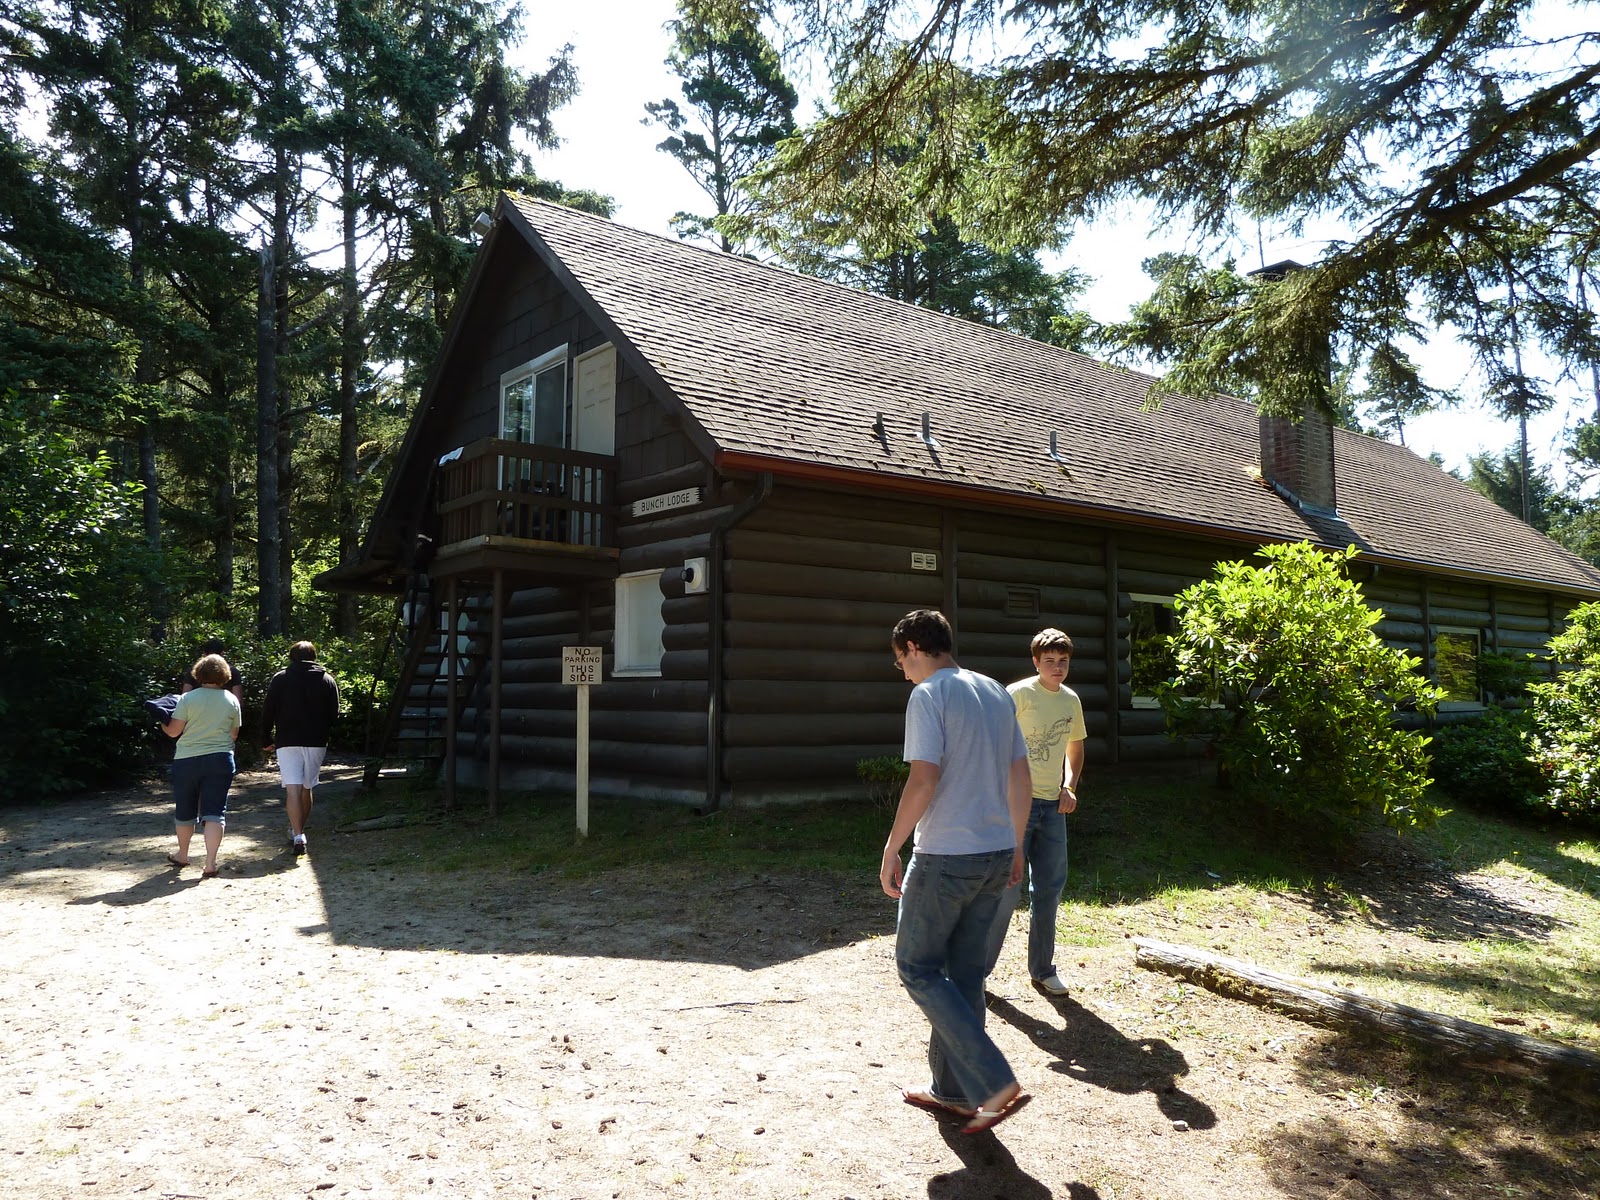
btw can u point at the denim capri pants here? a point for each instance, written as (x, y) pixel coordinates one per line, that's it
(200, 788)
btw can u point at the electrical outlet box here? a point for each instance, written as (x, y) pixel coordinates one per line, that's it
(696, 576)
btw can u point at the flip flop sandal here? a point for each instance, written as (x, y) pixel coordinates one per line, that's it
(174, 861)
(208, 873)
(985, 1119)
(931, 1103)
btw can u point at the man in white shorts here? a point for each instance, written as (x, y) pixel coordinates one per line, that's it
(302, 702)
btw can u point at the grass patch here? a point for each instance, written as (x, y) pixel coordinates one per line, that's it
(537, 832)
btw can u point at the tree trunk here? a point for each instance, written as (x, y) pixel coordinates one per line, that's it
(349, 373)
(269, 613)
(281, 250)
(1471, 1044)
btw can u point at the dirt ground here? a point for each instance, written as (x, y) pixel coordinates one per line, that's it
(345, 1025)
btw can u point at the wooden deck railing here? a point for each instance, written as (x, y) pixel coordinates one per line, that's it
(517, 489)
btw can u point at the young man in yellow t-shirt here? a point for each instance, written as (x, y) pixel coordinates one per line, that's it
(1051, 716)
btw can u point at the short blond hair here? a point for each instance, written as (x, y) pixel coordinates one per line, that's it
(211, 670)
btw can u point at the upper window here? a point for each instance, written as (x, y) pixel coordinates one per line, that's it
(637, 647)
(1151, 621)
(533, 400)
(1455, 666)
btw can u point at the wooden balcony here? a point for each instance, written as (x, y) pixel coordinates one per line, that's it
(526, 509)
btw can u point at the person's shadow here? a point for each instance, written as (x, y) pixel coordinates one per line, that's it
(1099, 1054)
(989, 1170)
(167, 882)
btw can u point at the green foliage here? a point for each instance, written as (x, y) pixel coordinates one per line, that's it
(1484, 762)
(1566, 737)
(1461, 171)
(742, 104)
(885, 777)
(1278, 667)
(71, 632)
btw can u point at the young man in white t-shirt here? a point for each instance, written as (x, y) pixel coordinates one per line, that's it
(963, 809)
(1051, 716)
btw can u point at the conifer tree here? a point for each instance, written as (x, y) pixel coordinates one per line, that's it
(740, 107)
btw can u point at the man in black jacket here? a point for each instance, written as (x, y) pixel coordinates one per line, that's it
(302, 702)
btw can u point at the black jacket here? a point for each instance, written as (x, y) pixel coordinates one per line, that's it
(302, 702)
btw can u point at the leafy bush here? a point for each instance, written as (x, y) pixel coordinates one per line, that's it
(73, 572)
(1486, 761)
(1566, 736)
(885, 778)
(1278, 667)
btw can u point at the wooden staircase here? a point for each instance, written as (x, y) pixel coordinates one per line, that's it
(412, 741)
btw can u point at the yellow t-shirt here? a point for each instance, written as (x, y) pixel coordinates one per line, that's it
(1049, 721)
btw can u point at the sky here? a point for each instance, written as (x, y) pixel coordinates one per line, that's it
(620, 46)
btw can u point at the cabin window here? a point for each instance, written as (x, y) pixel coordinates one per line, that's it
(1151, 621)
(533, 401)
(638, 649)
(1455, 666)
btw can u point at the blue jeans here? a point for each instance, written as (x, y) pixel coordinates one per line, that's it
(200, 788)
(947, 906)
(1044, 848)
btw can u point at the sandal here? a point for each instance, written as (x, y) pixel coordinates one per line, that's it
(932, 1103)
(174, 861)
(208, 873)
(987, 1118)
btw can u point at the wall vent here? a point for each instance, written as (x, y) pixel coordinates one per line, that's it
(1022, 602)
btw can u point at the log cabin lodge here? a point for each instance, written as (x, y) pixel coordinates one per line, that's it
(735, 479)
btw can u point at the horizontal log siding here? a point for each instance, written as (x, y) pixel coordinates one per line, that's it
(647, 735)
(1001, 559)
(815, 582)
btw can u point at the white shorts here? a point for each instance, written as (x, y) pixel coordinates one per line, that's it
(298, 765)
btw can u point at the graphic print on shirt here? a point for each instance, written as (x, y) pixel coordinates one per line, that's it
(1042, 741)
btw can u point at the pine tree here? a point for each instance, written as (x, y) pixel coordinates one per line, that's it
(1454, 139)
(742, 107)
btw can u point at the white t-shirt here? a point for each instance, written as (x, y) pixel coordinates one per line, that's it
(966, 725)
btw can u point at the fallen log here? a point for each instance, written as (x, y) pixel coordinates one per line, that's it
(1471, 1044)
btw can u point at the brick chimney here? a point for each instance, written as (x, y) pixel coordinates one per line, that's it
(1297, 455)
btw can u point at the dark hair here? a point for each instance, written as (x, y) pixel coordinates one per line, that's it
(302, 652)
(212, 646)
(927, 628)
(1047, 640)
(211, 670)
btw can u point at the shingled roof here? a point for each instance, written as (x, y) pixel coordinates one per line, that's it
(791, 374)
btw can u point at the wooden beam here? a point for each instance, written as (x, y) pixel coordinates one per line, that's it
(452, 666)
(1483, 1046)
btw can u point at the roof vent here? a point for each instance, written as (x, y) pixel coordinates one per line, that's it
(931, 442)
(1055, 451)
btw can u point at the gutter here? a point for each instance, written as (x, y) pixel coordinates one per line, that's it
(719, 534)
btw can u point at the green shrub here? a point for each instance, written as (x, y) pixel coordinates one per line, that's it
(1278, 667)
(885, 778)
(74, 578)
(1566, 736)
(1485, 762)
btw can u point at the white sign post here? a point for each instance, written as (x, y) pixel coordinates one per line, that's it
(580, 667)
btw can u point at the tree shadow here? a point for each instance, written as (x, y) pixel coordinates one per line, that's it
(1096, 1052)
(1440, 1129)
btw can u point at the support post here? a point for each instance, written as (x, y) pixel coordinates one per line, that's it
(452, 672)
